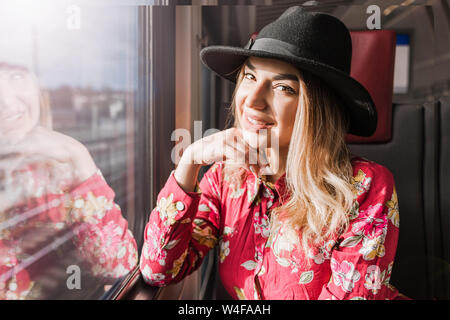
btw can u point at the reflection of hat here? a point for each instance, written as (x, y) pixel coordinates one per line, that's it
(316, 42)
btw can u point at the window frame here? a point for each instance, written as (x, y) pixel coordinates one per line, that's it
(154, 113)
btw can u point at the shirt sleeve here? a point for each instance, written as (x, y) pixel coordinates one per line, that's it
(101, 232)
(14, 285)
(181, 229)
(362, 261)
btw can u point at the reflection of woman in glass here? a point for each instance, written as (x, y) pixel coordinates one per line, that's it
(51, 189)
(320, 224)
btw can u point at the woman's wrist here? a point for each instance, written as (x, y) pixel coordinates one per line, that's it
(187, 171)
(84, 165)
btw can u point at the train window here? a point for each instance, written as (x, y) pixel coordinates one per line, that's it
(69, 213)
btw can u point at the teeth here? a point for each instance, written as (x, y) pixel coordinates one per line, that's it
(253, 121)
(13, 117)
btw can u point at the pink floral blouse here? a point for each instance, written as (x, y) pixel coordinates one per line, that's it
(86, 215)
(259, 256)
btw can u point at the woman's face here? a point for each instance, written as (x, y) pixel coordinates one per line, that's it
(267, 98)
(19, 102)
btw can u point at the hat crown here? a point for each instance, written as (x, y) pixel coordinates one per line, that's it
(317, 36)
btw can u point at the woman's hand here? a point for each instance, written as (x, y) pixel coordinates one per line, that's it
(57, 150)
(228, 146)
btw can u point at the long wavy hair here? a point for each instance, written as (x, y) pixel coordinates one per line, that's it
(318, 168)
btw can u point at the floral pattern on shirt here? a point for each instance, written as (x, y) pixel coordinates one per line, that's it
(322, 253)
(224, 245)
(167, 210)
(283, 241)
(374, 278)
(393, 214)
(203, 233)
(260, 257)
(344, 274)
(361, 183)
(87, 212)
(370, 230)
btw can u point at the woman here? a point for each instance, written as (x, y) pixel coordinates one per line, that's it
(311, 222)
(51, 196)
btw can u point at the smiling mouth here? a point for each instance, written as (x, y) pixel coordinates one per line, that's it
(13, 117)
(257, 122)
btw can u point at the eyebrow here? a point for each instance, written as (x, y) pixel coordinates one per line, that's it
(281, 76)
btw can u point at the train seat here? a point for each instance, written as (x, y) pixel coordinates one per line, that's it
(410, 158)
(414, 149)
(442, 220)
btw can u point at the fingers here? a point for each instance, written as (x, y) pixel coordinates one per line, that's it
(230, 147)
(239, 152)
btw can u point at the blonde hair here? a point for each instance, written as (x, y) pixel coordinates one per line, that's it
(318, 168)
(45, 114)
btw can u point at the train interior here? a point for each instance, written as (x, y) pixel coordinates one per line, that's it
(123, 77)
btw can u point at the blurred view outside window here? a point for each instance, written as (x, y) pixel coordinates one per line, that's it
(67, 82)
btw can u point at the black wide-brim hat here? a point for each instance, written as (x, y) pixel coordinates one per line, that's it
(315, 42)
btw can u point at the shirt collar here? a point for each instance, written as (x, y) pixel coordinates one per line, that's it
(279, 186)
(254, 184)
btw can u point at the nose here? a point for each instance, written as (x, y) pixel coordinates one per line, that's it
(257, 97)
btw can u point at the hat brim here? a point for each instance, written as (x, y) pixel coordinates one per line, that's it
(226, 62)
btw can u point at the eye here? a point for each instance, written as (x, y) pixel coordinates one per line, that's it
(16, 75)
(249, 76)
(285, 89)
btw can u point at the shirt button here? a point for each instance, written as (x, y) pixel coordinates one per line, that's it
(180, 206)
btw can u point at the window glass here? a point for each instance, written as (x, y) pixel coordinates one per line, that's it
(67, 82)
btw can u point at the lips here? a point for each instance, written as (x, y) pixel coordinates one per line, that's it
(12, 117)
(255, 122)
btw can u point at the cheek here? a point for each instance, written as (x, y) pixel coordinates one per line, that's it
(238, 112)
(31, 98)
(279, 137)
(31, 104)
(239, 104)
(285, 126)
(35, 108)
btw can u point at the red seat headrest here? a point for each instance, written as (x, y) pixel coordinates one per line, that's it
(372, 65)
